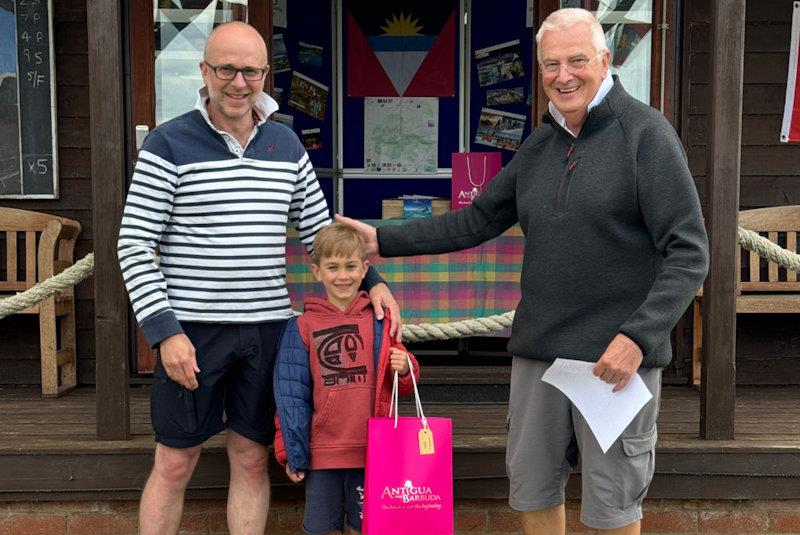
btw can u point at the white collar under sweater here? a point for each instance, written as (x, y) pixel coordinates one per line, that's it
(264, 106)
(602, 91)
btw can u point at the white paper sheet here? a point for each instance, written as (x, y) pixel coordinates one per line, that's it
(607, 413)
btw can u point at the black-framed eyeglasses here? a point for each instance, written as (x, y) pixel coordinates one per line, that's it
(226, 72)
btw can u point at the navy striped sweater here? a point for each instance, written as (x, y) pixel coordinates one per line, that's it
(218, 214)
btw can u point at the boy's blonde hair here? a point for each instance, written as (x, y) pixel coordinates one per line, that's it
(338, 239)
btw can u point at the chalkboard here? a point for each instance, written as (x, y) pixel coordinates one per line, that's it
(28, 150)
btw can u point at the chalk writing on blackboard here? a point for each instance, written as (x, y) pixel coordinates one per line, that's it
(28, 151)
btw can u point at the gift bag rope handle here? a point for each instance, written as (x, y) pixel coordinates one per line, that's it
(394, 409)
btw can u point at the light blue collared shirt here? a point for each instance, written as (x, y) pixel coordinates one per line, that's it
(602, 91)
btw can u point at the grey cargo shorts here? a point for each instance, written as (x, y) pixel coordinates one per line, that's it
(547, 436)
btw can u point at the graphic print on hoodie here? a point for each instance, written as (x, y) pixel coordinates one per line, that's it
(336, 348)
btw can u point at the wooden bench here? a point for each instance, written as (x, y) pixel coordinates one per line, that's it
(48, 243)
(763, 286)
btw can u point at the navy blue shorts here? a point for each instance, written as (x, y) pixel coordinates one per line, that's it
(332, 495)
(236, 364)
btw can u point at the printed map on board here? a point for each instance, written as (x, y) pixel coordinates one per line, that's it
(401, 135)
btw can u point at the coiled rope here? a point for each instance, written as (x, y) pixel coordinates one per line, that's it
(411, 332)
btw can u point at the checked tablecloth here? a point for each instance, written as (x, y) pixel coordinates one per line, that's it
(472, 283)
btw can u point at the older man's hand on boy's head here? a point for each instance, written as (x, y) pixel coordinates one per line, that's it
(368, 233)
(399, 361)
(295, 477)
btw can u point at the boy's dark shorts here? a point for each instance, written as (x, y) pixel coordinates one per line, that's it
(332, 495)
(236, 364)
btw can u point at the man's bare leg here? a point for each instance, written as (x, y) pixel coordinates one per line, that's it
(630, 529)
(248, 496)
(162, 500)
(545, 522)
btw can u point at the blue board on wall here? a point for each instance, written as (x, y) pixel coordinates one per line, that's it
(308, 41)
(496, 23)
(492, 23)
(362, 197)
(353, 107)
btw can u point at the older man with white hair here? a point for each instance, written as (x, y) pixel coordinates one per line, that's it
(615, 248)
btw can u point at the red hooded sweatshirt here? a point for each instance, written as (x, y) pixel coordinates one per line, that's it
(342, 367)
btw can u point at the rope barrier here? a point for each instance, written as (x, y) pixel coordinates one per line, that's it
(49, 287)
(458, 329)
(413, 333)
(766, 249)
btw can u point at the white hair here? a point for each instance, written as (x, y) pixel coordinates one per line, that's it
(563, 19)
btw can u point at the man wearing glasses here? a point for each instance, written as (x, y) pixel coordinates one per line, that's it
(615, 248)
(214, 190)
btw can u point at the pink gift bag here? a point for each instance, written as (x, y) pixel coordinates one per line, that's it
(408, 485)
(472, 172)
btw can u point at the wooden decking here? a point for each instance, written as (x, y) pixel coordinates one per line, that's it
(48, 447)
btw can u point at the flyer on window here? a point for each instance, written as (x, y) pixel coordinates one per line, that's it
(308, 96)
(310, 54)
(312, 138)
(510, 95)
(500, 129)
(280, 59)
(499, 62)
(282, 118)
(278, 13)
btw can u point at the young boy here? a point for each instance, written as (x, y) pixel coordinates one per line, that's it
(335, 369)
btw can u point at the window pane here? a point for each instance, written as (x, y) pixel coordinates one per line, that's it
(628, 26)
(180, 31)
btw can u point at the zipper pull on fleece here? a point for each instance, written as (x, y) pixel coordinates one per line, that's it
(570, 149)
(573, 165)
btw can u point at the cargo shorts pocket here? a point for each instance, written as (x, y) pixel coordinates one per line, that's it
(636, 466)
(172, 408)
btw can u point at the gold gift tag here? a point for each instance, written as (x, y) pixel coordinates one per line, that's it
(425, 441)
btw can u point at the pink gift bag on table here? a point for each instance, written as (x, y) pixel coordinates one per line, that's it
(472, 172)
(408, 485)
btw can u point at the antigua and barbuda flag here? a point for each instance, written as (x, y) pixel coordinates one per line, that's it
(401, 48)
(790, 130)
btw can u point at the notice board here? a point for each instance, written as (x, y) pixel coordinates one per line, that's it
(28, 145)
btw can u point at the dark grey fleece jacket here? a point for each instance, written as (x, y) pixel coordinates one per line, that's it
(614, 234)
